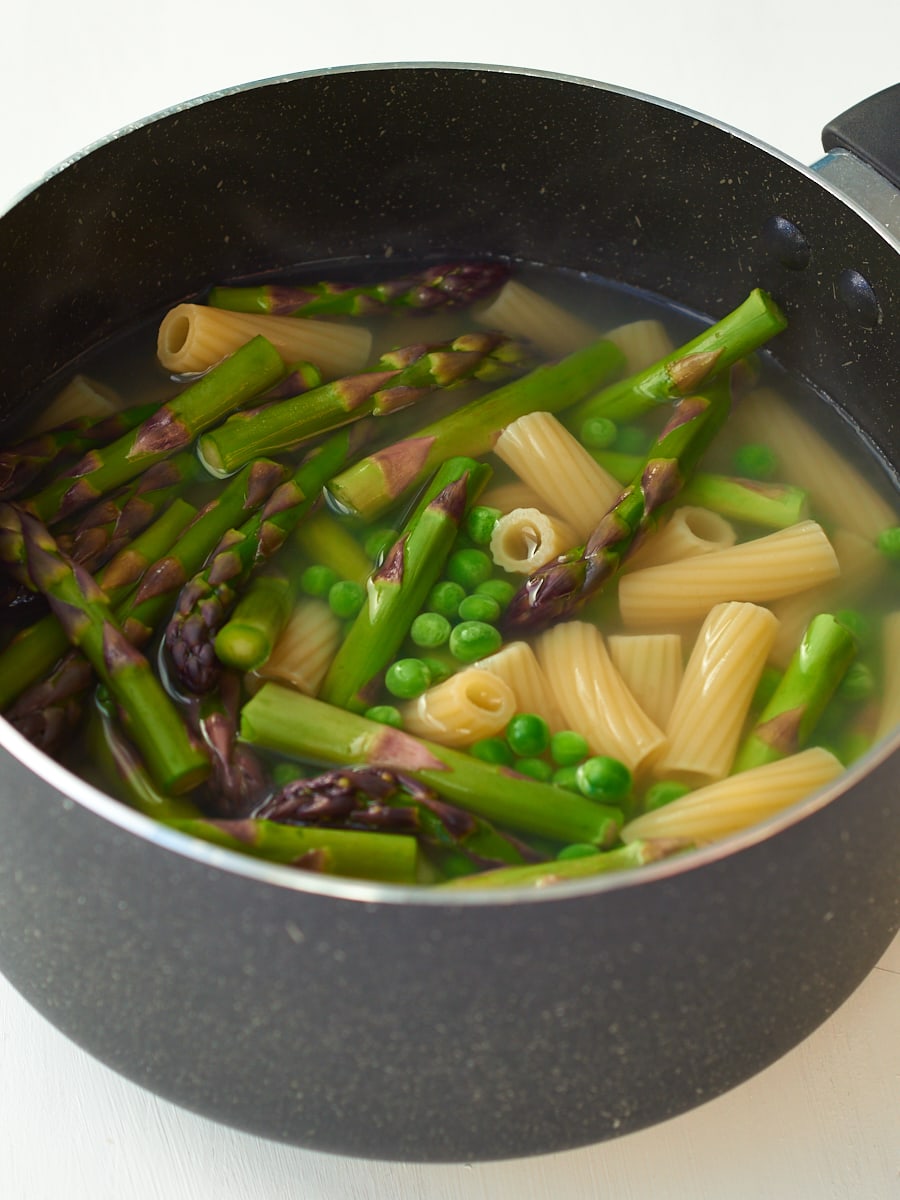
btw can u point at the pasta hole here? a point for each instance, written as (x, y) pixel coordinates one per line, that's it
(482, 695)
(176, 333)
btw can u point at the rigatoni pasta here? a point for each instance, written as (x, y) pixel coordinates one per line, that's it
(688, 532)
(652, 666)
(526, 538)
(517, 665)
(521, 312)
(305, 648)
(465, 708)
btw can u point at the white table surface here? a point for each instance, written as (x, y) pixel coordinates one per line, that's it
(821, 1124)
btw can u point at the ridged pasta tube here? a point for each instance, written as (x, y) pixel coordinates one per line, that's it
(521, 312)
(767, 568)
(889, 716)
(739, 801)
(716, 692)
(517, 665)
(507, 496)
(836, 488)
(542, 453)
(642, 342)
(193, 337)
(468, 706)
(688, 532)
(593, 698)
(652, 666)
(305, 649)
(526, 538)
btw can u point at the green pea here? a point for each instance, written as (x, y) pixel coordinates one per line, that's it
(577, 850)
(407, 678)
(604, 778)
(478, 608)
(284, 773)
(445, 597)
(632, 439)
(566, 777)
(598, 433)
(480, 523)
(858, 683)
(378, 542)
(528, 734)
(568, 748)
(468, 568)
(888, 542)
(318, 580)
(439, 669)
(385, 714)
(755, 461)
(492, 750)
(858, 624)
(534, 768)
(471, 640)
(663, 792)
(500, 590)
(429, 629)
(346, 598)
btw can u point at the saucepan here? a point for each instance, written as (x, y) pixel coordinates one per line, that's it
(384, 1021)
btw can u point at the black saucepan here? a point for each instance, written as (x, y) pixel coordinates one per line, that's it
(402, 1024)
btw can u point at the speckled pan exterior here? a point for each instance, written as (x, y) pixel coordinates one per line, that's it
(384, 1022)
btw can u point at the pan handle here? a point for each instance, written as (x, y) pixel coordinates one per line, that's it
(863, 155)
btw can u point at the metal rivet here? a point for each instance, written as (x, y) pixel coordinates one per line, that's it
(858, 297)
(787, 243)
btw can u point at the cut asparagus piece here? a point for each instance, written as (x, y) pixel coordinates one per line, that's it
(385, 477)
(398, 587)
(451, 285)
(560, 588)
(546, 874)
(280, 719)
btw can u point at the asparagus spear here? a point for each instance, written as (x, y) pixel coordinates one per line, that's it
(387, 857)
(398, 587)
(175, 761)
(208, 598)
(325, 539)
(248, 638)
(278, 718)
(399, 379)
(687, 369)
(772, 505)
(237, 778)
(172, 427)
(445, 286)
(545, 874)
(34, 651)
(785, 725)
(376, 482)
(561, 587)
(50, 712)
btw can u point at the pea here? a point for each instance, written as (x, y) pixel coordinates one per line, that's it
(755, 461)
(430, 629)
(471, 640)
(632, 440)
(346, 598)
(528, 734)
(385, 714)
(407, 678)
(568, 748)
(598, 433)
(858, 624)
(566, 777)
(478, 608)
(439, 669)
(664, 792)
(480, 523)
(445, 597)
(468, 568)
(500, 590)
(858, 683)
(535, 768)
(577, 850)
(492, 750)
(888, 542)
(318, 580)
(379, 542)
(604, 778)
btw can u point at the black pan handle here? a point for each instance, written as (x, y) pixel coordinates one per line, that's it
(871, 131)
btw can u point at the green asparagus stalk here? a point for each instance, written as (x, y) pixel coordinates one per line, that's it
(400, 378)
(383, 478)
(50, 712)
(561, 587)
(447, 286)
(172, 428)
(545, 874)
(280, 719)
(772, 505)
(786, 724)
(691, 367)
(175, 761)
(398, 587)
(207, 599)
(301, 377)
(33, 652)
(237, 777)
(248, 638)
(387, 857)
(324, 538)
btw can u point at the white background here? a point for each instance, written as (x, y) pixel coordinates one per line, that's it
(822, 1124)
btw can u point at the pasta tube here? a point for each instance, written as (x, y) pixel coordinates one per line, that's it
(468, 706)
(193, 337)
(716, 692)
(652, 667)
(642, 342)
(593, 698)
(517, 665)
(521, 312)
(688, 532)
(305, 649)
(766, 568)
(526, 538)
(542, 452)
(507, 496)
(738, 801)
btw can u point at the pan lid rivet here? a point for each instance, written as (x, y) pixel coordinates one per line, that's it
(858, 297)
(787, 243)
